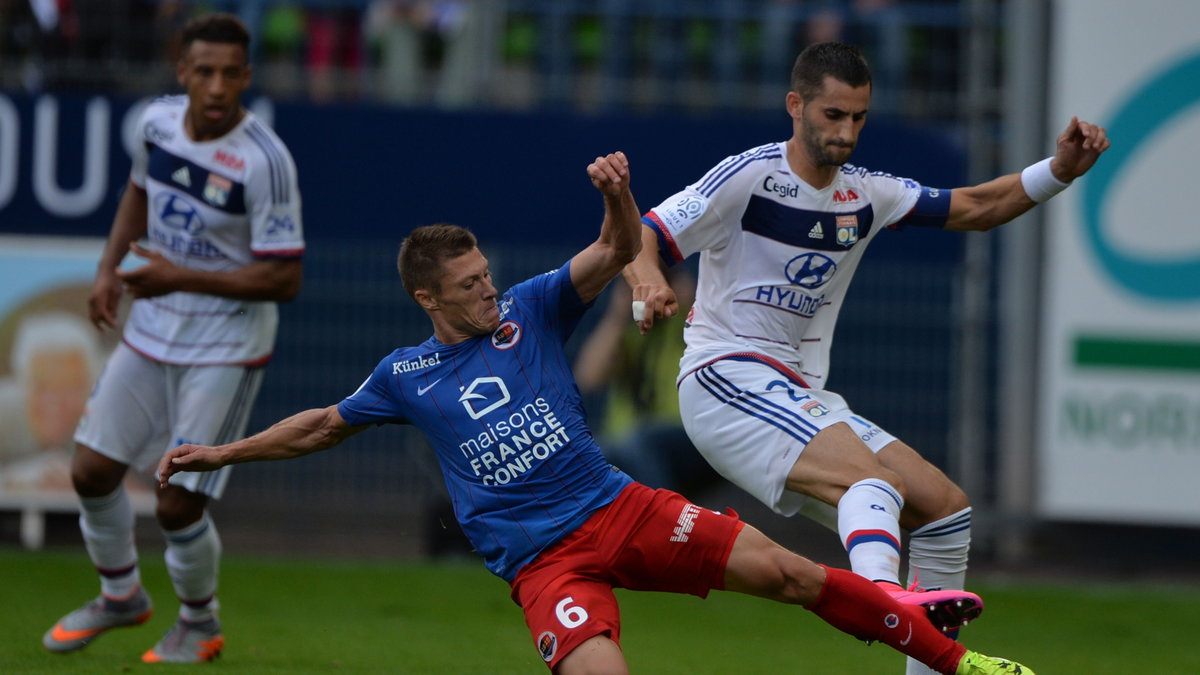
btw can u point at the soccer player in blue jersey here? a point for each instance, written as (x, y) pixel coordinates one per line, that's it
(780, 230)
(493, 392)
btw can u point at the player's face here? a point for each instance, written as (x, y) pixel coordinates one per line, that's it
(467, 298)
(214, 74)
(831, 122)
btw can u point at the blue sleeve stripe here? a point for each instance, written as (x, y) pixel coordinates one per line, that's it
(931, 210)
(275, 162)
(726, 169)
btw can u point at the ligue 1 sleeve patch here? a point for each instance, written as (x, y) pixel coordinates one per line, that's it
(681, 213)
(507, 335)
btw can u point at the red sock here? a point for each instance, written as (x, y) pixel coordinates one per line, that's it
(856, 606)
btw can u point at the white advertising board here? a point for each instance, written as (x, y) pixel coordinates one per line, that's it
(1119, 391)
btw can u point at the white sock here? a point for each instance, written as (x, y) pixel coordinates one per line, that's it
(937, 552)
(937, 559)
(869, 525)
(193, 557)
(107, 526)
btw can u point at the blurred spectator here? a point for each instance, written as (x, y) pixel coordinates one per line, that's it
(333, 53)
(605, 55)
(393, 30)
(429, 50)
(641, 432)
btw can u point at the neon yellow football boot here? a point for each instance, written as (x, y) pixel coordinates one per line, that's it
(974, 663)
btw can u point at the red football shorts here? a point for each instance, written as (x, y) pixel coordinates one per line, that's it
(646, 540)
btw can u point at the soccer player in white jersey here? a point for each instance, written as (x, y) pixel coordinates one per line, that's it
(493, 393)
(780, 229)
(214, 192)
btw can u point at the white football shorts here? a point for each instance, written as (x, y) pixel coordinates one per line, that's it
(141, 408)
(751, 417)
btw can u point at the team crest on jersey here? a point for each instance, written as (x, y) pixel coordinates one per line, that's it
(815, 409)
(507, 335)
(216, 190)
(547, 645)
(847, 229)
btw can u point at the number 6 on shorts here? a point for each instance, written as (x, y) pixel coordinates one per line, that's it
(569, 616)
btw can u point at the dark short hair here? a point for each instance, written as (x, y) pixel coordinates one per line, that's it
(841, 61)
(219, 27)
(424, 249)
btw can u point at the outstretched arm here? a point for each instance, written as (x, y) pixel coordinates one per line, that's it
(619, 240)
(990, 204)
(300, 434)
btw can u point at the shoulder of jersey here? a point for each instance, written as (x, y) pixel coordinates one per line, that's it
(167, 103)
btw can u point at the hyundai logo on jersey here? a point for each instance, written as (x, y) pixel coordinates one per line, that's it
(810, 270)
(177, 213)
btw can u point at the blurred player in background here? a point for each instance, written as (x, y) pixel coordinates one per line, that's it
(492, 391)
(780, 229)
(640, 430)
(214, 191)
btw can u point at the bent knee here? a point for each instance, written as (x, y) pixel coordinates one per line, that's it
(177, 508)
(93, 474)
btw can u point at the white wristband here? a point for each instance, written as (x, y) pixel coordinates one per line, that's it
(1039, 182)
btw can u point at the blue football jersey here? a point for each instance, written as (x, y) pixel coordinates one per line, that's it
(505, 417)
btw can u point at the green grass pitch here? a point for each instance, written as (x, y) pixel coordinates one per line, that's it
(302, 616)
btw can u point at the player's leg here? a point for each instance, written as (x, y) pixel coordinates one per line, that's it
(598, 655)
(193, 556)
(211, 406)
(758, 566)
(761, 429)
(937, 515)
(787, 446)
(837, 468)
(573, 619)
(869, 517)
(124, 415)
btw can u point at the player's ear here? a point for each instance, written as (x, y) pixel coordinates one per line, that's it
(425, 299)
(795, 105)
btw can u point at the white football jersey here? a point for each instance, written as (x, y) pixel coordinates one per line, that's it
(777, 255)
(216, 205)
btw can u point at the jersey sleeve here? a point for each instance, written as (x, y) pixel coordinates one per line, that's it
(273, 199)
(554, 298)
(141, 150)
(892, 197)
(374, 401)
(704, 215)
